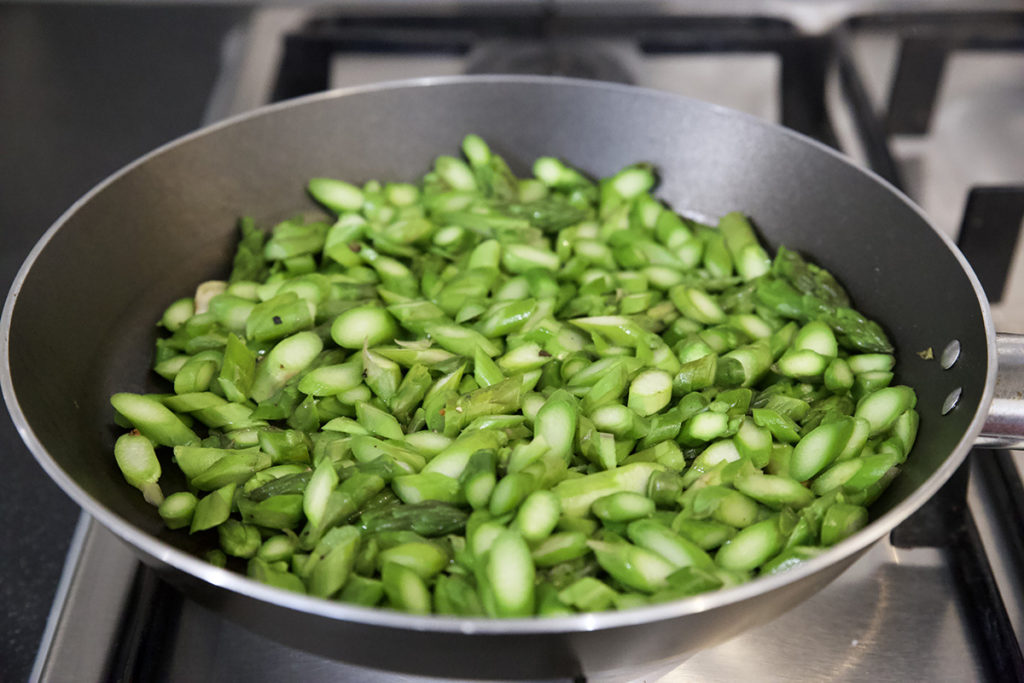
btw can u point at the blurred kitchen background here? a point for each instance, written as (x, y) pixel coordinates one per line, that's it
(928, 94)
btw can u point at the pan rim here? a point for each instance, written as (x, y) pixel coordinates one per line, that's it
(172, 557)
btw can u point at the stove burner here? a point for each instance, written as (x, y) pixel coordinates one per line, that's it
(578, 59)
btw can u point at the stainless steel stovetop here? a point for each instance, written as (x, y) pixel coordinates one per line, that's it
(941, 599)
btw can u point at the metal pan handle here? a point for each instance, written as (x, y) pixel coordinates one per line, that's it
(1004, 427)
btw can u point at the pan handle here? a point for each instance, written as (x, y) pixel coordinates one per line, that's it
(1004, 427)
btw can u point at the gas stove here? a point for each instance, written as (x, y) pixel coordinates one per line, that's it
(927, 95)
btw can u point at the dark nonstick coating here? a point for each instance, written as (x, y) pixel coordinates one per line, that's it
(79, 323)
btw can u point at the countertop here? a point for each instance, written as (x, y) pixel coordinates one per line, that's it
(83, 91)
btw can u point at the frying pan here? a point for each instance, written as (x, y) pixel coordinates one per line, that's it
(78, 326)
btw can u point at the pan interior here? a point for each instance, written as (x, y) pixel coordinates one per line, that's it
(82, 327)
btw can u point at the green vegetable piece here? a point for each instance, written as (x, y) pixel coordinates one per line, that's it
(368, 449)
(753, 442)
(404, 589)
(332, 561)
(841, 521)
(707, 534)
(284, 446)
(510, 572)
(336, 195)
(853, 330)
(703, 427)
(330, 380)
(289, 357)
(510, 491)
(318, 491)
(588, 594)
(744, 366)
(381, 375)
(781, 427)
(696, 374)
(689, 581)
(197, 372)
(462, 341)
(679, 551)
(177, 509)
(664, 487)
(426, 559)
(262, 571)
(378, 422)
(560, 547)
(809, 278)
(411, 391)
(819, 448)
(617, 329)
(838, 376)
(871, 362)
(153, 420)
(454, 459)
(178, 313)
(870, 382)
(238, 539)
(277, 548)
(905, 429)
(194, 460)
(818, 337)
(216, 557)
(137, 461)
(623, 506)
(455, 595)
(725, 505)
(748, 256)
(751, 547)
(274, 481)
(578, 495)
(279, 317)
(632, 566)
(649, 392)
(248, 264)
(360, 590)
(714, 455)
(426, 486)
(538, 516)
(607, 389)
(697, 305)
(873, 467)
(556, 424)
(429, 519)
(802, 364)
(237, 369)
(363, 326)
(882, 408)
(235, 467)
(773, 490)
(478, 478)
(213, 509)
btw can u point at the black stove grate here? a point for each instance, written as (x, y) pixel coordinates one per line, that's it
(992, 216)
(305, 66)
(928, 39)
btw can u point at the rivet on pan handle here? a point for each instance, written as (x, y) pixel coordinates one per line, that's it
(1004, 427)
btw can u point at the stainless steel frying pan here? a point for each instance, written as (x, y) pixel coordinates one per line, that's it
(78, 325)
